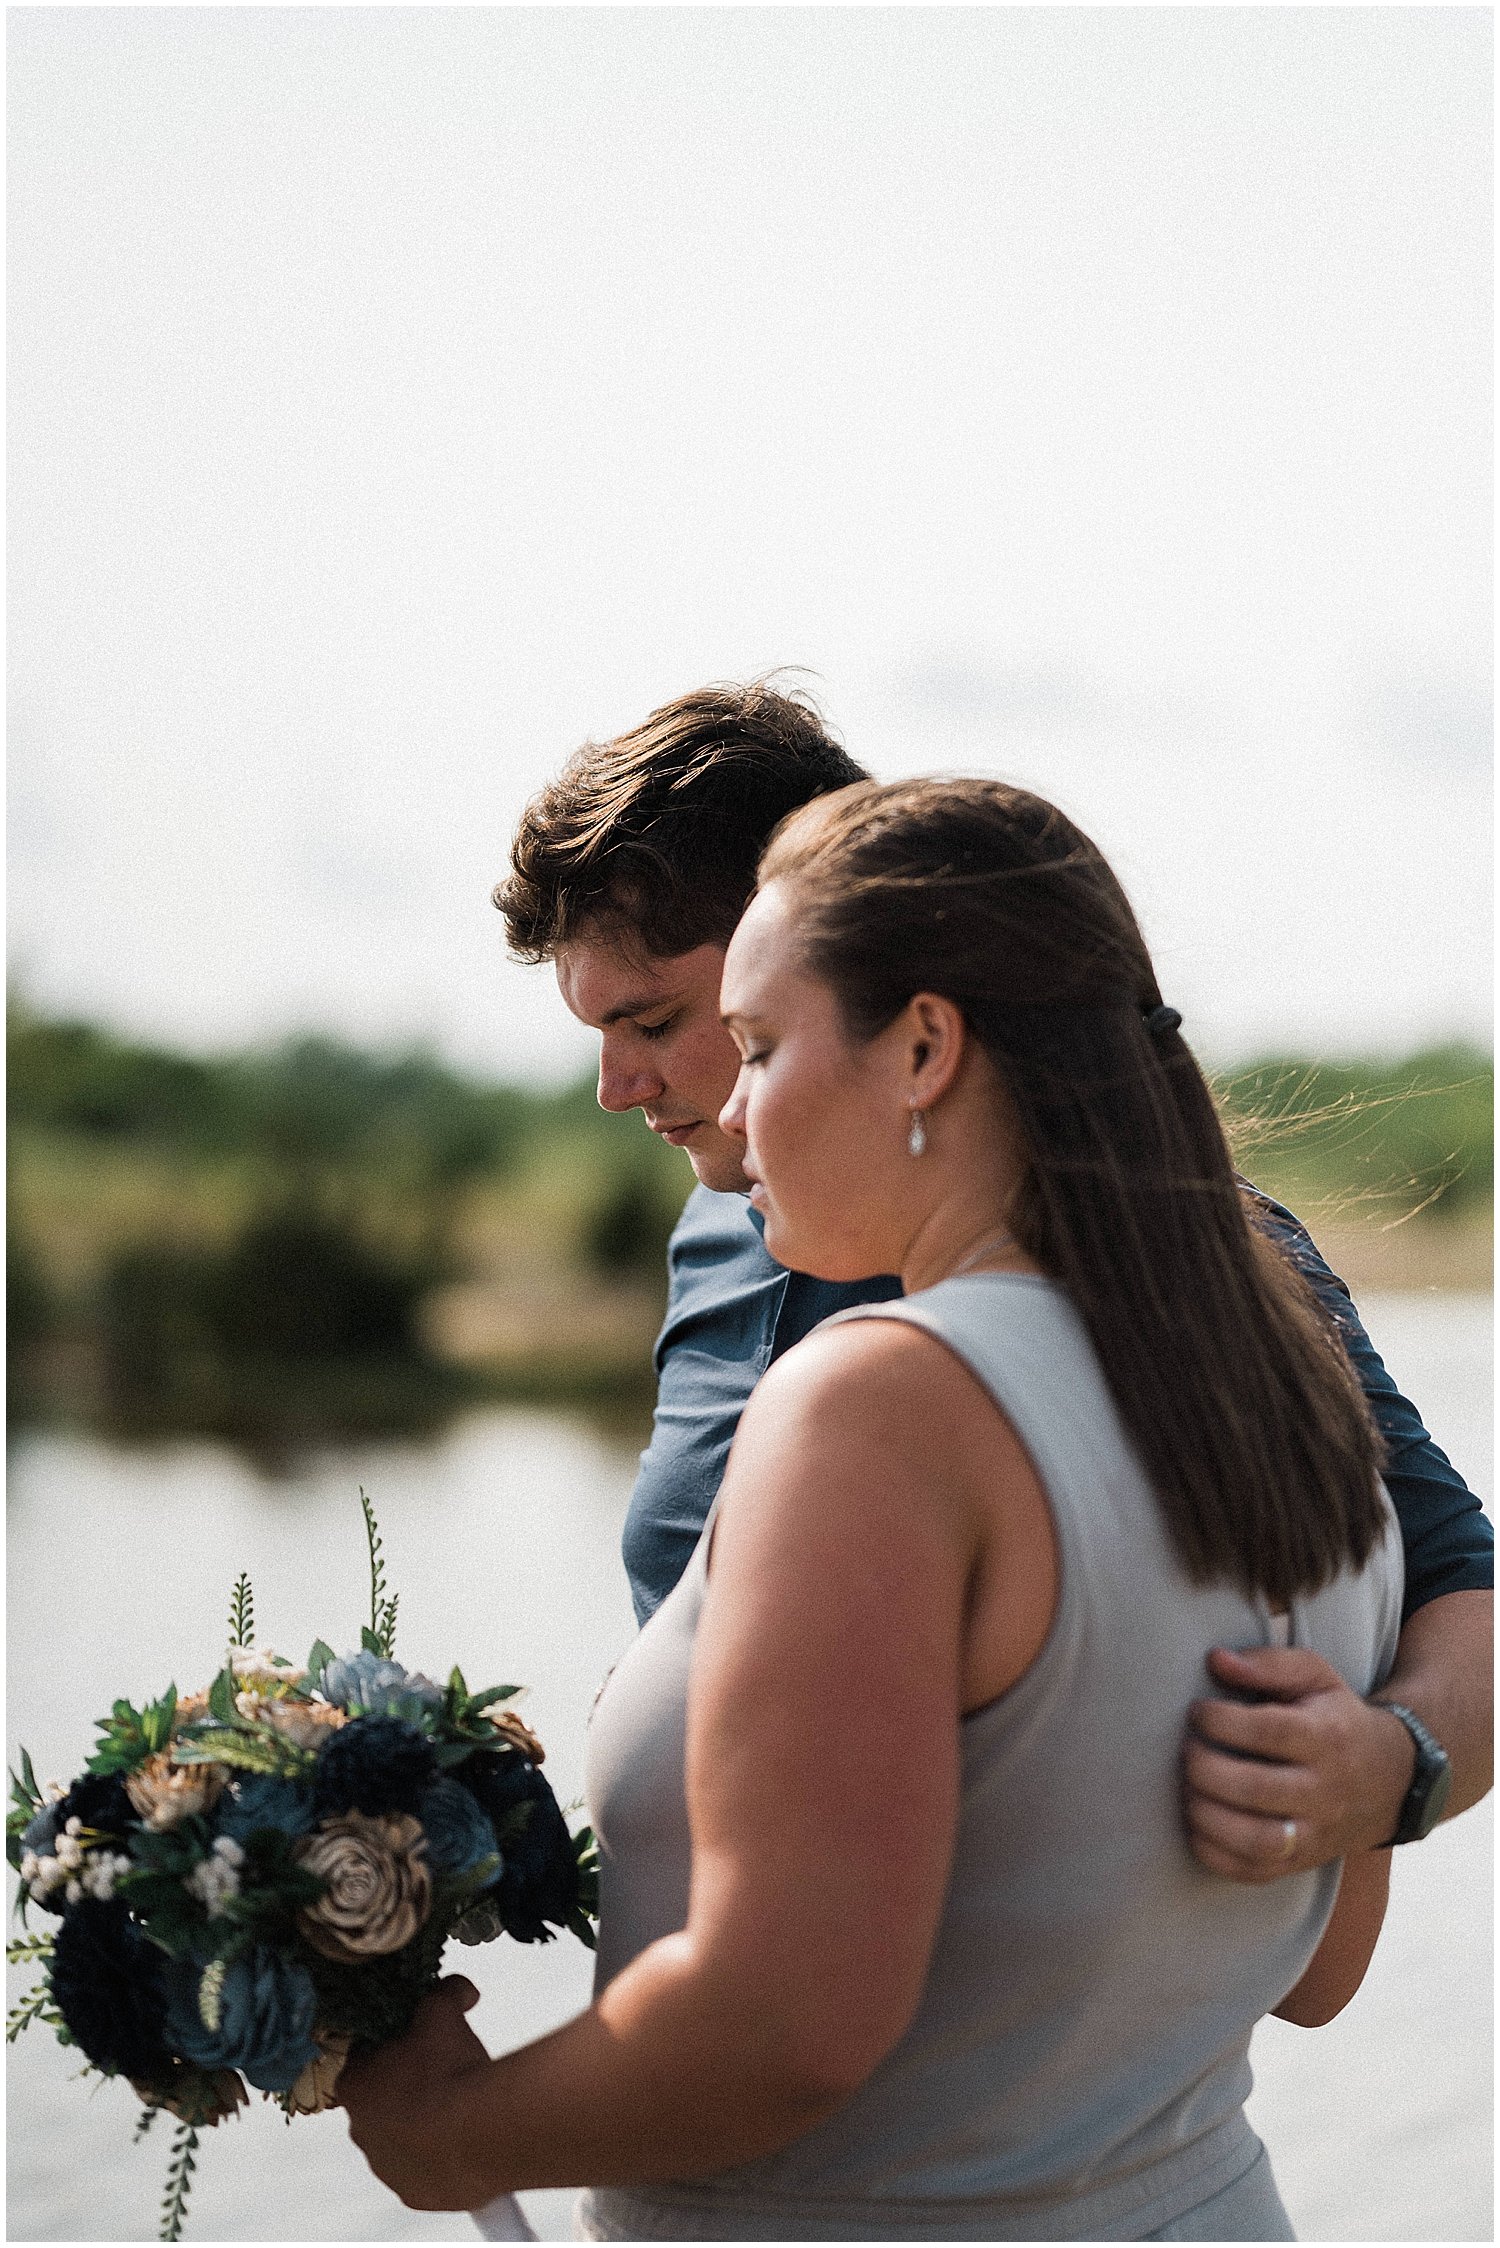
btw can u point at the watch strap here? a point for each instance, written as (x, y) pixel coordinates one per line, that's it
(1430, 1781)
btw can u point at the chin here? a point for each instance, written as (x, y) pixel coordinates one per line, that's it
(820, 1260)
(719, 1169)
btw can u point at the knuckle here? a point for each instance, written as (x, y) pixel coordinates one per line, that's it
(1220, 1721)
(1262, 1839)
(1197, 1754)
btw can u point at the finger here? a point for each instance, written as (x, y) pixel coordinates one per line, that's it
(458, 1990)
(1250, 1848)
(1276, 1791)
(1285, 1672)
(1275, 1730)
(1223, 1862)
(349, 2081)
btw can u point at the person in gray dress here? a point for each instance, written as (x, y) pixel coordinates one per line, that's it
(901, 1936)
(629, 871)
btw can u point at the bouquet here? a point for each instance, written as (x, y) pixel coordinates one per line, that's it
(252, 1881)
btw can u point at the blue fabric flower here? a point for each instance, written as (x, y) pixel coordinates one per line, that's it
(108, 1981)
(101, 1803)
(266, 2009)
(43, 1830)
(539, 1879)
(374, 1765)
(459, 1835)
(260, 1802)
(378, 1686)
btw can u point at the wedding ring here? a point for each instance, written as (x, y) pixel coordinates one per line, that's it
(1288, 1837)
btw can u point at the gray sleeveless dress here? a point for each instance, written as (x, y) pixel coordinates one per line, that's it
(1077, 2067)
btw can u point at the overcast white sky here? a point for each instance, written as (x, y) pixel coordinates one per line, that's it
(1100, 397)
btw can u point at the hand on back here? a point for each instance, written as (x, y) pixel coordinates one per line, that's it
(1306, 1774)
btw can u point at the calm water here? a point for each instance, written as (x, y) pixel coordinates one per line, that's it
(502, 1541)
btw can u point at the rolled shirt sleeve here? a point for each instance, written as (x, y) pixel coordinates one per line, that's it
(1448, 1538)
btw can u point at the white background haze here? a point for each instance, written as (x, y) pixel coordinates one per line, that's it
(399, 397)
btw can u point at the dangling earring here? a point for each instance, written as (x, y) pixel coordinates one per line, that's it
(916, 1138)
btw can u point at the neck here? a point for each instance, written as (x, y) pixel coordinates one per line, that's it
(976, 1240)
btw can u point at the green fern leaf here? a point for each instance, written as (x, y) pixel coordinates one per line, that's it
(211, 1994)
(248, 1751)
(242, 1613)
(179, 2181)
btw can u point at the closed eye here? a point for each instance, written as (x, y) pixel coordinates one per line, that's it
(656, 1030)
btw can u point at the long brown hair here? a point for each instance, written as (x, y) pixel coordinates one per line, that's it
(1226, 1372)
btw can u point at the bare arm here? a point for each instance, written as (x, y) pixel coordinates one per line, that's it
(1337, 1967)
(837, 1598)
(1314, 1752)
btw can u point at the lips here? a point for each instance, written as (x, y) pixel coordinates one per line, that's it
(676, 1135)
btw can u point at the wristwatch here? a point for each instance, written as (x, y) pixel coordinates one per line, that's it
(1430, 1782)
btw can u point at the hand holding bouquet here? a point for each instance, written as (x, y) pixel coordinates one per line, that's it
(254, 1880)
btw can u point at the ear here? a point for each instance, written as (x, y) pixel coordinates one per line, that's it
(936, 1037)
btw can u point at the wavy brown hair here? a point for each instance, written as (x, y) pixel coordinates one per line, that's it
(656, 834)
(1226, 1372)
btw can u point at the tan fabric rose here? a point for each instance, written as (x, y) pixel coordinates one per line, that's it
(191, 1709)
(378, 1890)
(162, 1793)
(197, 2096)
(481, 1924)
(520, 1736)
(314, 2089)
(264, 1670)
(308, 1724)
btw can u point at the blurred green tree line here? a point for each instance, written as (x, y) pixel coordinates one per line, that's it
(1388, 1142)
(192, 1238)
(187, 1227)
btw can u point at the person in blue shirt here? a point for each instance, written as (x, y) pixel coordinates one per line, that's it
(629, 873)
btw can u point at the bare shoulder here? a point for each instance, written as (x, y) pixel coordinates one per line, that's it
(852, 1368)
(873, 1466)
(873, 1399)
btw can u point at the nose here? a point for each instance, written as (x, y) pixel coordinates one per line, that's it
(623, 1083)
(732, 1114)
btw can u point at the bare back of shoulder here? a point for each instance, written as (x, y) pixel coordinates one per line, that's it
(873, 1445)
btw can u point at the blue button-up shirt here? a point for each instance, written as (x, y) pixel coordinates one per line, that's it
(731, 1310)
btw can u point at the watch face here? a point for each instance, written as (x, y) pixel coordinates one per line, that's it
(1431, 1783)
(1436, 1798)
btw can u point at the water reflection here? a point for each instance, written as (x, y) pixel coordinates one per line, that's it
(501, 1529)
(275, 1418)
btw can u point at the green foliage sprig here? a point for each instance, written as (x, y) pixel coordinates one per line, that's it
(222, 1706)
(24, 1792)
(247, 1748)
(24, 1948)
(36, 2006)
(381, 1636)
(26, 1799)
(242, 1613)
(464, 1727)
(128, 1735)
(179, 2181)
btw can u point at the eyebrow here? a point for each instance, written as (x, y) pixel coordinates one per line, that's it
(645, 1006)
